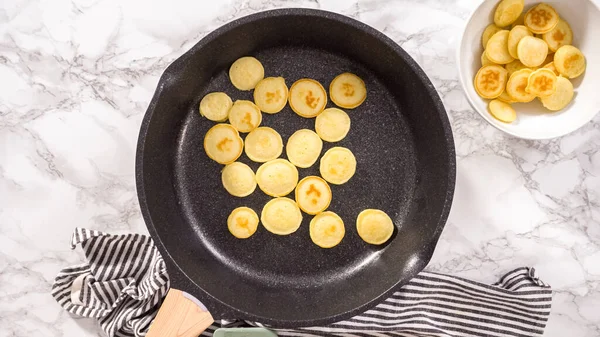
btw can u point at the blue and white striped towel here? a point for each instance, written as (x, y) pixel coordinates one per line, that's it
(124, 281)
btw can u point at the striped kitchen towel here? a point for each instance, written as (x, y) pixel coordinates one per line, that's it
(125, 279)
(121, 284)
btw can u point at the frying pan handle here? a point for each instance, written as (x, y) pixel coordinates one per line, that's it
(180, 315)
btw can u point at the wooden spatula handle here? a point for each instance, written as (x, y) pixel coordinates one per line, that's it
(179, 317)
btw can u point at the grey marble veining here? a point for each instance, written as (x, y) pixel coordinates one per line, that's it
(76, 78)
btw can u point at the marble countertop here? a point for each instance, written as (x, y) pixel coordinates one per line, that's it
(76, 77)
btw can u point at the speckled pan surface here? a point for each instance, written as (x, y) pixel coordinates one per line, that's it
(401, 139)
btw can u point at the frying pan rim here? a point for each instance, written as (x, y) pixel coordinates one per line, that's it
(374, 33)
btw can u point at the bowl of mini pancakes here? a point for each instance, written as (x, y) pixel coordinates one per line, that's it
(530, 68)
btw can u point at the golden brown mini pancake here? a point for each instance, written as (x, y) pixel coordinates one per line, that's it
(541, 18)
(559, 36)
(347, 91)
(569, 61)
(271, 94)
(307, 97)
(502, 111)
(561, 97)
(327, 230)
(277, 177)
(374, 226)
(332, 125)
(304, 148)
(263, 144)
(215, 106)
(238, 179)
(313, 195)
(242, 222)
(246, 72)
(497, 48)
(245, 116)
(517, 83)
(532, 51)
(281, 216)
(507, 12)
(490, 81)
(338, 165)
(541, 82)
(223, 144)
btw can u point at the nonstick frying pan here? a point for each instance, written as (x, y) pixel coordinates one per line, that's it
(400, 136)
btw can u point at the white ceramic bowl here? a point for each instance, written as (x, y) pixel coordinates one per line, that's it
(533, 120)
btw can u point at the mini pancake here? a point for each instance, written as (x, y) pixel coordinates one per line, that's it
(485, 61)
(488, 32)
(307, 98)
(506, 98)
(541, 18)
(304, 148)
(569, 61)
(332, 125)
(238, 179)
(497, 48)
(514, 66)
(552, 67)
(245, 116)
(507, 12)
(277, 177)
(490, 81)
(561, 97)
(327, 230)
(347, 91)
(516, 86)
(281, 216)
(223, 144)
(541, 82)
(271, 94)
(515, 35)
(263, 144)
(532, 51)
(559, 36)
(374, 226)
(313, 195)
(338, 165)
(242, 222)
(246, 72)
(502, 111)
(215, 106)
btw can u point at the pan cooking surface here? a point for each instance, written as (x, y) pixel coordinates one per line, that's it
(379, 138)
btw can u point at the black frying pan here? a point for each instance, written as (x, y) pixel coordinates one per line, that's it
(400, 136)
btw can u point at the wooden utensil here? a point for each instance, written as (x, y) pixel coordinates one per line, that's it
(180, 315)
